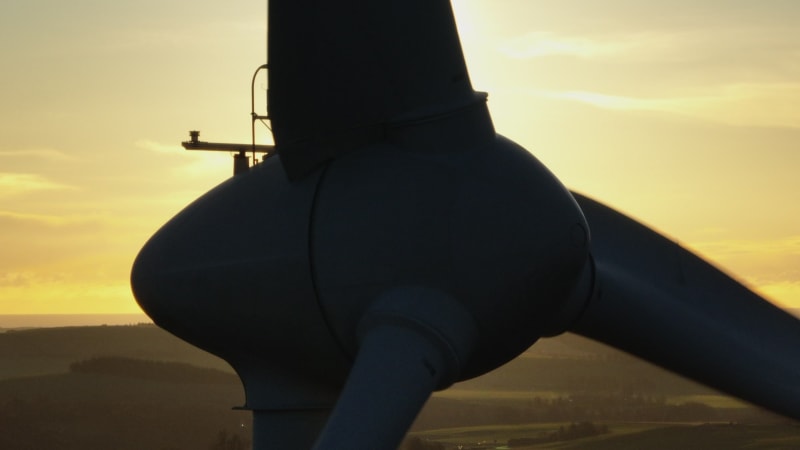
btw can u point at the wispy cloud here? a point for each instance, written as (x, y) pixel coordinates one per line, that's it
(37, 153)
(784, 293)
(158, 147)
(190, 163)
(737, 44)
(32, 221)
(29, 278)
(766, 104)
(34, 292)
(770, 266)
(542, 43)
(12, 184)
(731, 247)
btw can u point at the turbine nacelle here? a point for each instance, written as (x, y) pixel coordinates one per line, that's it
(397, 244)
(445, 239)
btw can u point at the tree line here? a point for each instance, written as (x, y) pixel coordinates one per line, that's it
(443, 413)
(571, 432)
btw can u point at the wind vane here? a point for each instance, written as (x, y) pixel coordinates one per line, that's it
(241, 162)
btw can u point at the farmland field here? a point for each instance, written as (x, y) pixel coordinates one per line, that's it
(133, 387)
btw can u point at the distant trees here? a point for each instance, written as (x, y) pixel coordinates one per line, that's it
(229, 441)
(573, 431)
(585, 407)
(416, 443)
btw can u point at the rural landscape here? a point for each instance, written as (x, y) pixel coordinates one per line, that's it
(138, 387)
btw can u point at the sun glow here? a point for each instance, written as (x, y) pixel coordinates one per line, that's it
(683, 115)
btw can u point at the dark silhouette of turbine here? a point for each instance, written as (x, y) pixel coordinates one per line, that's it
(397, 244)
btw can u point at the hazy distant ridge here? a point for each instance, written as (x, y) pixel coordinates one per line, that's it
(44, 351)
(17, 321)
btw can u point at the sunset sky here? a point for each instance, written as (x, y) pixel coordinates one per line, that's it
(683, 114)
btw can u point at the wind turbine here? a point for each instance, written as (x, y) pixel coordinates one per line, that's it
(397, 244)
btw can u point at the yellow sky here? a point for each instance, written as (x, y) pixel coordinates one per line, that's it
(685, 116)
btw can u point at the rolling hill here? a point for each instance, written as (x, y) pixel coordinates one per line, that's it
(133, 387)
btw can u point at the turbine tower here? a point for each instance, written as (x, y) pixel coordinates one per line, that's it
(397, 244)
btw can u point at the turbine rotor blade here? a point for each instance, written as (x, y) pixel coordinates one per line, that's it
(412, 341)
(387, 387)
(658, 301)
